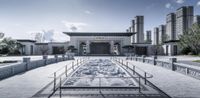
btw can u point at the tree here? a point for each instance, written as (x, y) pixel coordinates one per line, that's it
(10, 46)
(156, 49)
(44, 49)
(1, 35)
(71, 48)
(191, 39)
(38, 37)
(165, 38)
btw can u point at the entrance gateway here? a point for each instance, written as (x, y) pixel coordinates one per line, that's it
(100, 48)
(99, 43)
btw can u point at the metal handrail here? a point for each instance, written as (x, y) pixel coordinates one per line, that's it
(55, 77)
(150, 75)
(155, 87)
(100, 78)
(64, 67)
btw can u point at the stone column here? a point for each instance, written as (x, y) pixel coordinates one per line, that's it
(154, 60)
(88, 46)
(27, 61)
(111, 46)
(45, 57)
(56, 57)
(172, 61)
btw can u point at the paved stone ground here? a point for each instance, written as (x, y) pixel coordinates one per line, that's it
(146, 91)
(25, 85)
(173, 83)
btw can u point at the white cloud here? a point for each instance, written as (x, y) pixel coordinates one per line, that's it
(74, 26)
(198, 3)
(87, 12)
(168, 5)
(180, 1)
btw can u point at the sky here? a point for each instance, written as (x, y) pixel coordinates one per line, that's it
(22, 19)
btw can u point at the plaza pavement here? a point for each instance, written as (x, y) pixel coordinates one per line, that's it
(175, 84)
(25, 85)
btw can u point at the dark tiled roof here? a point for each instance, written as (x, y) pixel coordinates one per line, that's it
(171, 41)
(41, 43)
(26, 40)
(99, 34)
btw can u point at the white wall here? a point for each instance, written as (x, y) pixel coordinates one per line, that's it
(28, 47)
(50, 47)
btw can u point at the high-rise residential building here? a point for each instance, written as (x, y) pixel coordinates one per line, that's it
(155, 40)
(130, 29)
(197, 19)
(171, 26)
(139, 29)
(184, 19)
(162, 34)
(133, 30)
(148, 36)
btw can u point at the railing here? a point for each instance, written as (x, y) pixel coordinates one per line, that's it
(63, 77)
(140, 73)
(27, 64)
(99, 84)
(60, 74)
(172, 65)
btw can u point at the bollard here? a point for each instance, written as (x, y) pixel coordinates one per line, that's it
(145, 78)
(27, 61)
(127, 65)
(60, 88)
(154, 60)
(131, 58)
(172, 61)
(54, 83)
(133, 70)
(99, 84)
(139, 85)
(73, 65)
(66, 70)
(187, 71)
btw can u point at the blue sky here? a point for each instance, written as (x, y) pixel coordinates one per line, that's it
(23, 18)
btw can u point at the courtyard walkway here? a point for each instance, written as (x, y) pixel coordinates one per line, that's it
(175, 84)
(25, 85)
